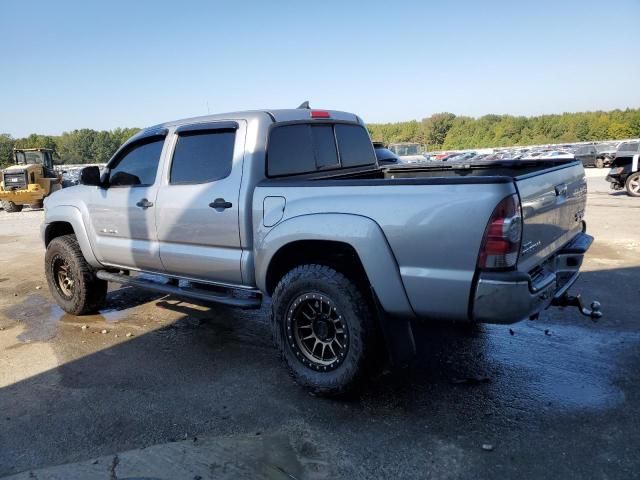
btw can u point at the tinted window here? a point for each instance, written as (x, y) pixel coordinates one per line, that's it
(324, 145)
(628, 148)
(304, 148)
(290, 151)
(202, 156)
(354, 146)
(139, 164)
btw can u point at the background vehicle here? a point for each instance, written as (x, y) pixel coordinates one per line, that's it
(71, 177)
(587, 154)
(408, 152)
(30, 180)
(625, 172)
(384, 155)
(606, 153)
(293, 204)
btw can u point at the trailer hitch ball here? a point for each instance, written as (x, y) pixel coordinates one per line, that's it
(593, 311)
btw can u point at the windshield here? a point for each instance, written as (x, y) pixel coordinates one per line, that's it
(405, 150)
(29, 158)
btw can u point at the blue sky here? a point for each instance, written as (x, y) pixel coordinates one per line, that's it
(102, 65)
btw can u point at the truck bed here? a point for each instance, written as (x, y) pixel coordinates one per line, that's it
(435, 216)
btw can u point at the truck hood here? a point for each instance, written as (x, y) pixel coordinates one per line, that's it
(66, 196)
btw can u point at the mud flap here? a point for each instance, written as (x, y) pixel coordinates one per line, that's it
(397, 333)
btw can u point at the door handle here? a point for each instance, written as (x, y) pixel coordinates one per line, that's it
(220, 204)
(144, 203)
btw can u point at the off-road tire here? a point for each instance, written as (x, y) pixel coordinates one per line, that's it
(37, 205)
(631, 184)
(89, 293)
(599, 163)
(11, 207)
(363, 348)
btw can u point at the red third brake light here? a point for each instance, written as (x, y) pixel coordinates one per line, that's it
(502, 237)
(320, 114)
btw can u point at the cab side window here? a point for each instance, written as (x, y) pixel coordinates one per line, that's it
(202, 156)
(137, 165)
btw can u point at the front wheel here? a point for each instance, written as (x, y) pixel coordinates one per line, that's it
(633, 184)
(11, 207)
(325, 329)
(71, 279)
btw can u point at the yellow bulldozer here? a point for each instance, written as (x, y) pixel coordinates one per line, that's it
(30, 180)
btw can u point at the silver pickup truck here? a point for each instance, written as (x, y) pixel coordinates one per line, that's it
(292, 205)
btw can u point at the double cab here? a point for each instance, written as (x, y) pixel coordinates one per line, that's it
(292, 206)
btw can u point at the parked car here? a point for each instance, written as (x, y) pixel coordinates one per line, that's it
(587, 154)
(606, 153)
(408, 152)
(384, 155)
(71, 177)
(292, 205)
(625, 172)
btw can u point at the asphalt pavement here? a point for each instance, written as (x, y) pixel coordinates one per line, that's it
(155, 387)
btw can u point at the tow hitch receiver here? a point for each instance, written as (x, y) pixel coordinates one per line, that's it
(566, 300)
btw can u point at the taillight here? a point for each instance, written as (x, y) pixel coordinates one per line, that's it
(320, 114)
(503, 235)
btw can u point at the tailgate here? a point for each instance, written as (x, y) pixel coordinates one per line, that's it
(553, 203)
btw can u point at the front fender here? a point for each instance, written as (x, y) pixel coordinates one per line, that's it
(71, 215)
(362, 233)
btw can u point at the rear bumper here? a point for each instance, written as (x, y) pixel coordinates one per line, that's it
(508, 297)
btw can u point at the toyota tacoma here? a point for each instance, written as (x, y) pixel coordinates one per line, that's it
(292, 205)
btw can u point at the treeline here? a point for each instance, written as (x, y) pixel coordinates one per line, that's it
(449, 132)
(79, 146)
(439, 131)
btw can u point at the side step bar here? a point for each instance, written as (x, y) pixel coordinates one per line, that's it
(252, 302)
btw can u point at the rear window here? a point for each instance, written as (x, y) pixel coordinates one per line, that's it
(628, 148)
(354, 146)
(202, 156)
(305, 148)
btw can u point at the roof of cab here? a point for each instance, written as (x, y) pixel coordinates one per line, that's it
(282, 115)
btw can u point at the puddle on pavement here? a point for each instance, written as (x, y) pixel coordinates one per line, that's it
(41, 318)
(572, 369)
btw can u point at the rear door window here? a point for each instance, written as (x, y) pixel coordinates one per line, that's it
(202, 156)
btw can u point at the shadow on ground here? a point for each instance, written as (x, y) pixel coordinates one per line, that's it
(555, 397)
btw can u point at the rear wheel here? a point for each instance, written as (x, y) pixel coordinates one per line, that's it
(600, 162)
(71, 279)
(37, 205)
(325, 329)
(11, 207)
(633, 184)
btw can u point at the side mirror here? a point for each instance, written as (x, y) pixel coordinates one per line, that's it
(90, 176)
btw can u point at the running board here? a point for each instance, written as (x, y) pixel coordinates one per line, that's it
(252, 302)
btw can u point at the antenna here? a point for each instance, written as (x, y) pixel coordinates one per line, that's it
(208, 112)
(305, 105)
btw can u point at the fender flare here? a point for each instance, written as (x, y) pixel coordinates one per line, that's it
(72, 216)
(362, 233)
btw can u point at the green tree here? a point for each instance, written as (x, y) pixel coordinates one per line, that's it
(6, 150)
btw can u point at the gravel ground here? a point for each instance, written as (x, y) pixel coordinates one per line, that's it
(554, 398)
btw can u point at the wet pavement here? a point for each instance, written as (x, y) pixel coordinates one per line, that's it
(556, 397)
